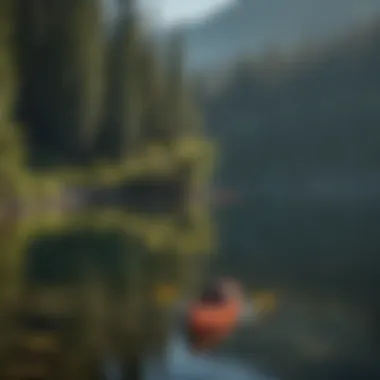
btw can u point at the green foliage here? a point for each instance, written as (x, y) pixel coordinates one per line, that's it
(82, 97)
(11, 144)
(152, 81)
(85, 62)
(61, 53)
(87, 99)
(182, 117)
(121, 127)
(7, 65)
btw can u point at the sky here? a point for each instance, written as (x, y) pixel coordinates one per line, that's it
(169, 13)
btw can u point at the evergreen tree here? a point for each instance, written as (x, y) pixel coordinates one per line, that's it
(61, 51)
(7, 71)
(182, 117)
(153, 121)
(121, 128)
(11, 150)
(86, 65)
(70, 73)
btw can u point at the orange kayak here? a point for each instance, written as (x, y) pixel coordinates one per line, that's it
(209, 325)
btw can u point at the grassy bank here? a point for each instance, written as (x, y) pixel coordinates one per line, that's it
(158, 235)
(35, 189)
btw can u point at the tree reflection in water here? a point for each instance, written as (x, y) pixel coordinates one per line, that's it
(76, 292)
(87, 288)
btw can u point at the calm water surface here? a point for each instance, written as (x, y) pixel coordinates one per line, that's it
(312, 334)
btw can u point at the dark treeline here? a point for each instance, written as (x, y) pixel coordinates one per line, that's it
(82, 91)
(295, 116)
(299, 137)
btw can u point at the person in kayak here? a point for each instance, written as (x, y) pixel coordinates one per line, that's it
(199, 325)
(216, 314)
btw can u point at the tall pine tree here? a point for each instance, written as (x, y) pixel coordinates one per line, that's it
(61, 51)
(121, 128)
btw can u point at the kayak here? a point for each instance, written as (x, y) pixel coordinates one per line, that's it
(208, 324)
(221, 308)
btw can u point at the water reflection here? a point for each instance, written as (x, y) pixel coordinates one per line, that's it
(312, 336)
(181, 363)
(95, 287)
(82, 288)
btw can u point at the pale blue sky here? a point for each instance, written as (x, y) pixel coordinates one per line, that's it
(171, 12)
(168, 13)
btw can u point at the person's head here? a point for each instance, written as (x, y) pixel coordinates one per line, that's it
(212, 294)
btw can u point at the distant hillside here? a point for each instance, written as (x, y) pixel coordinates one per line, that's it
(254, 26)
(317, 109)
(300, 138)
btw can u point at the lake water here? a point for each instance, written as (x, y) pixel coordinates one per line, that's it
(97, 276)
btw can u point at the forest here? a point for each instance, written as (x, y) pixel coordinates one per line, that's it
(93, 126)
(84, 102)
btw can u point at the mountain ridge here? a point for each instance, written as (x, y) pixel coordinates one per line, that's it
(256, 27)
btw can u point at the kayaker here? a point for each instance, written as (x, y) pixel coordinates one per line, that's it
(216, 314)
